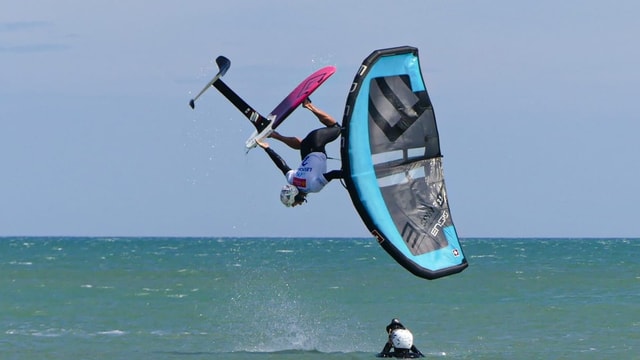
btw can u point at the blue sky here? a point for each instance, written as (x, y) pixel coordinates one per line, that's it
(534, 102)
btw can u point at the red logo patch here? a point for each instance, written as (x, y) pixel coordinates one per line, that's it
(298, 182)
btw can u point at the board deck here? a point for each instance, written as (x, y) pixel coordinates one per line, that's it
(290, 103)
(300, 93)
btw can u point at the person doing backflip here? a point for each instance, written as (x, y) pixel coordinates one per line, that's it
(401, 341)
(311, 175)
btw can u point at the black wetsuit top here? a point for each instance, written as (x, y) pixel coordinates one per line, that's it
(315, 141)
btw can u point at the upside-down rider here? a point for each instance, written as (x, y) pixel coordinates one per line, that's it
(401, 341)
(311, 175)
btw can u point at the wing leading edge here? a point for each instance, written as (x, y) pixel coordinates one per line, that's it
(393, 165)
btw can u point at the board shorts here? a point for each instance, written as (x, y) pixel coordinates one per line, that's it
(318, 138)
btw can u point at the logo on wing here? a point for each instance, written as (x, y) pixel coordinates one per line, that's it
(393, 106)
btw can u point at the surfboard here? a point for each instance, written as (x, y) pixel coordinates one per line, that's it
(265, 125)
(290, 103)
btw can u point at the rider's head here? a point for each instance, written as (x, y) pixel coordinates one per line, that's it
(291, 196)
(395, 324)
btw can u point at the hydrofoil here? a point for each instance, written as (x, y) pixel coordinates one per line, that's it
(264, 126)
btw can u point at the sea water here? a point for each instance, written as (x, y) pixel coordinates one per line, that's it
(273, 298)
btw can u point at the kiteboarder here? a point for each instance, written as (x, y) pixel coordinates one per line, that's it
(401, 340)
(311, 175)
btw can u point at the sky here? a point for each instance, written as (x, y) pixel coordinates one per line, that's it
(534, 102)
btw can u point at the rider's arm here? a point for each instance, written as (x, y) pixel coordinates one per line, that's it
(385, 351)
(333, 174)
(415, 350)
(280, 163)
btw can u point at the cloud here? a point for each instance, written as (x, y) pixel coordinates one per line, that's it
(33, 48)
(28, 48)
(23, 25)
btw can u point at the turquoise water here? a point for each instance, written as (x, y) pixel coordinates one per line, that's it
(144, 298)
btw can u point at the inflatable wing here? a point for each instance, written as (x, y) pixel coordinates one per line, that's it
(393, 166)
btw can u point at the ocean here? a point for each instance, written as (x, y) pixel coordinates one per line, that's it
(311, 298)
